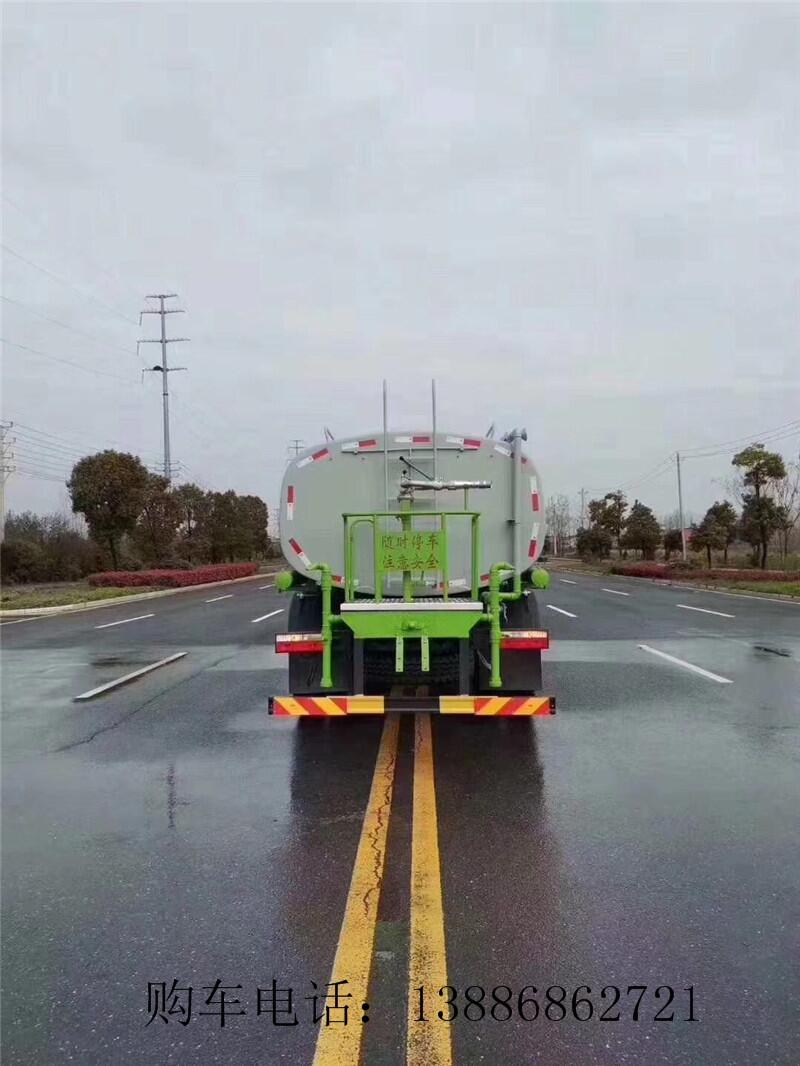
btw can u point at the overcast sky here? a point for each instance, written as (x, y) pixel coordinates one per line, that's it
(580, 219)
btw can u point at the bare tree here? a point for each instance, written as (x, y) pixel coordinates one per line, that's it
(786, 494)
(559, 521)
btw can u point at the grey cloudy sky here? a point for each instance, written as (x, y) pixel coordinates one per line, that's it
(582, 219)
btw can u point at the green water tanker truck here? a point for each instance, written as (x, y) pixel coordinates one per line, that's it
(413, 575)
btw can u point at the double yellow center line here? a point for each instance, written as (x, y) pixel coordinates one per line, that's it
(427, 1043)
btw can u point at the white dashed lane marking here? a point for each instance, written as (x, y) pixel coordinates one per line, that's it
(614, 592)
(567, 581)
(704, 610)
(687, 666)
(123, 621)
(560, 610)
(271, 614)
(128, 677)
(262, 587)
(214, 599)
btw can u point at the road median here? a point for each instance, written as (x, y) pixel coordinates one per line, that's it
(88, 605)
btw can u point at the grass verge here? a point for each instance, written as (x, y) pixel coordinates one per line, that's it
(20, 599)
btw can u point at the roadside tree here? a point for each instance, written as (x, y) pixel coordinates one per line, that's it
(108, 490)
(642, 531)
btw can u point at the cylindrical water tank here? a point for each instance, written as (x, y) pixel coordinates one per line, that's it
(359, 475)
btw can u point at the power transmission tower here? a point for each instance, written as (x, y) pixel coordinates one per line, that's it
(164, 369)
(6, 470)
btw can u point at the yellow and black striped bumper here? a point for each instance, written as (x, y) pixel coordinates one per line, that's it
(480, 706)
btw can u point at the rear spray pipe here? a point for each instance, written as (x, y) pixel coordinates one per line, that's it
(496, 600)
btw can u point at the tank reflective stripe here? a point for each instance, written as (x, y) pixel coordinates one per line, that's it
(290, 498)
(403, 440)
(299, 552)
(464, 442)
(421, 439)
(535, 500)
(368, 444)
(323, 453)
(485, 579)
(534, 541)
(502, 449)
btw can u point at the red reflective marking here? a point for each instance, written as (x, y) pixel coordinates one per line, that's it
(484, 577)
(513, 704)
(524, 644)
(295, 546)
(367, 444)
(290, 494)
(323, 454)
(420, 440)
(471, 442)
(535, 501)
(532, 549)
(308, 703)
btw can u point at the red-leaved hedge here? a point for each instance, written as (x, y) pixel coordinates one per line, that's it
(172, 579)
(664, 571)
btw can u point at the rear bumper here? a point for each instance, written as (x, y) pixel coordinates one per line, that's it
(478, 706)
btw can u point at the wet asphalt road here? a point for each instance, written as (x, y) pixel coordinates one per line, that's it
(646, 835)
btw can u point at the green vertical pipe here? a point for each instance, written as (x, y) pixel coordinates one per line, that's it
(476, 556)
(376, 548)
(405, 522)
(445, 559)
(326, 585)
(495, 599)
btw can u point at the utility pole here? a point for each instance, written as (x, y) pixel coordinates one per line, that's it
(164, 369)
(6, 470)
(297, 446)
(583, 508)
(680, 505)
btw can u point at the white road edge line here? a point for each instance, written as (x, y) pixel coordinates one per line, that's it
(122, 621)
(214, 599)
(127, 677)
(686, 666)
(567, 581)
(271, 614)
(262, 587)
(614, 592)
(560, 610)
(705, 610)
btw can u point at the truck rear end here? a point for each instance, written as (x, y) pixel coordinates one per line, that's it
(413, 577)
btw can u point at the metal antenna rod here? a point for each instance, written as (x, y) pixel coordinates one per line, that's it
(164, 369)
(385, 444)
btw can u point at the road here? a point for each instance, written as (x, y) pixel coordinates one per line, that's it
(648, 834)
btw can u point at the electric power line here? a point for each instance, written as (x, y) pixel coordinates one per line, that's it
(65, 325)
(66, 362)
(80, 292)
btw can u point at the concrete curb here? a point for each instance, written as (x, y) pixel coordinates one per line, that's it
(68, 608)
